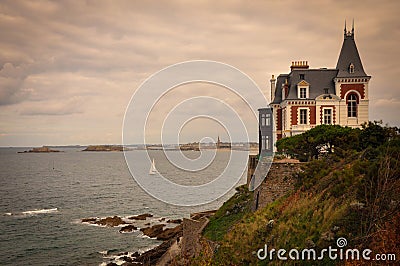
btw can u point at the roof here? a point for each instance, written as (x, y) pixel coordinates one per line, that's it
(349, 55)
(319, 80)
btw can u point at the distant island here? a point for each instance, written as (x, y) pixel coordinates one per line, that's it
(105, 148)
(43, 149)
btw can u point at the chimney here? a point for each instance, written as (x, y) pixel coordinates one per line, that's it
(299, 65)
(272, 80)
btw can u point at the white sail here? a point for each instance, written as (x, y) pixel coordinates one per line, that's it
(153, 169)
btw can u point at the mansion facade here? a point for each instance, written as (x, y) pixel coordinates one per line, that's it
(305, 97)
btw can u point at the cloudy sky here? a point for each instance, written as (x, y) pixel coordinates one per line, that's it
(69, 68)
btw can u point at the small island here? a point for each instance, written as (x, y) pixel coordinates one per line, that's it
(105, 148)
(43, 149)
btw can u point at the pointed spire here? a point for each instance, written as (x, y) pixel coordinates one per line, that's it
(352, 28)
(345, 28)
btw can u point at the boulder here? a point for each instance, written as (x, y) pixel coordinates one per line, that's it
(170, 233)
(153, 231)
(128, 229)
(111, 221)
(89, 220)
(175, 221)
(141, 216)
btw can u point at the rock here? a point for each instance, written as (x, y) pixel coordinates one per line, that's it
(170, 233)
(111, 221)
(128, 229)
(136, 254)
(162, 219)
(152, 256)
(153, 231)
(175, 221)
(127, 259)
(198, 215)
(141, 216)
(89, 220)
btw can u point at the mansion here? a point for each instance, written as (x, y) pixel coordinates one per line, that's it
(308, 97)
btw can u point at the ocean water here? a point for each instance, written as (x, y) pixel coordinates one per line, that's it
(45, 196)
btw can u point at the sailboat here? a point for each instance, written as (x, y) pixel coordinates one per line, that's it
(153, 169)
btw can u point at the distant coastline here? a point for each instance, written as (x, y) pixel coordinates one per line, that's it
(43, 149)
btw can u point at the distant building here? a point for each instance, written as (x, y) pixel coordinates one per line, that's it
(223, 145)
(307, 97)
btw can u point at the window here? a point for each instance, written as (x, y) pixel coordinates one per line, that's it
(328, 116)
(301, 76)
(265, 119)
(326, 91)
(268, 119)
(303, 116)
(351, 68)
(265, 145)
(303, 93)
(352, 105)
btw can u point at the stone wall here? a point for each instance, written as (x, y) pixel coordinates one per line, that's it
(278, 182)
(191, 236)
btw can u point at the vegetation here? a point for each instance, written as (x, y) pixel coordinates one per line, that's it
(350, 187)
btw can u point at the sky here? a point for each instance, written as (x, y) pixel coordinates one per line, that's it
(69, 68)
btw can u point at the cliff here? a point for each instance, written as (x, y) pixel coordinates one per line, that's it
(353, 196)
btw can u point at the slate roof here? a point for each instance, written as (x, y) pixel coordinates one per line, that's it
(319, 80)
(349, 54)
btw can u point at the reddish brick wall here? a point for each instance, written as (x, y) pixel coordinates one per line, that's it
(294, 115)
(279, 120)
(312, 113)
(344, 88)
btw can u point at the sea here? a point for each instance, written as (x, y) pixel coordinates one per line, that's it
(45, 196)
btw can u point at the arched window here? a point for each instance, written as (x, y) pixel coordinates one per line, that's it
(352, 105)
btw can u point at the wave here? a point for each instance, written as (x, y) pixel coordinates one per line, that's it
(32, 212)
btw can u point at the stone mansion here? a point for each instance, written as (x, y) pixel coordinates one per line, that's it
(307, 97)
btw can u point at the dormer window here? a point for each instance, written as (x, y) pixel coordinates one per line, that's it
(303, 90)
(351, 68)
(326, 90)
(301, 76)
(303, 93)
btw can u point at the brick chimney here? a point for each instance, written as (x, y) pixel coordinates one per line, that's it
(299, 65)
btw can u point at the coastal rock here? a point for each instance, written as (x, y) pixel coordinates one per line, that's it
(141, 216)
(152, 256)
(198, 215)
(170, 233)
(175, 221)
(89, 220)
(111, 221)
(153, 231)
(128, 229)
